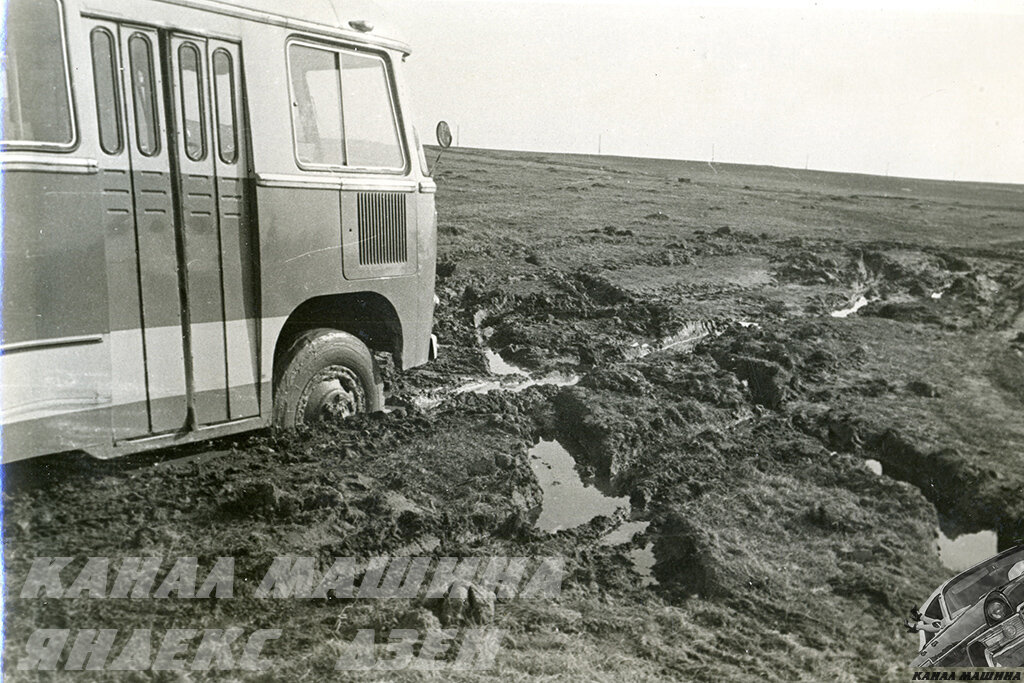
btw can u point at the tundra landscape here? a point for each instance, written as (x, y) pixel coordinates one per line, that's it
(742, 406)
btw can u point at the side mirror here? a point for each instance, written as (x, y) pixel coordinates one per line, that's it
(444, 135)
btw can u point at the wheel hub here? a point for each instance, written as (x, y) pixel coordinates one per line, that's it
(331, 394)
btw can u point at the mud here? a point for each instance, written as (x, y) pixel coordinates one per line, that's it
(751, 484)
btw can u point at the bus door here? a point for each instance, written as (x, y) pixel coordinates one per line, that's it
(152, 189)
(194, 253)
(239, 250)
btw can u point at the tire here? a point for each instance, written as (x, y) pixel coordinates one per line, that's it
(326, 375)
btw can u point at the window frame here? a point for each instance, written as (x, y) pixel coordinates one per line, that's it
(204, 147)
(216, 108)
(72, 145)
(154, 100)
(115, 77)
(396, 110)
(293, 110)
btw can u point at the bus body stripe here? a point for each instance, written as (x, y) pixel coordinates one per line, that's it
(51, 380)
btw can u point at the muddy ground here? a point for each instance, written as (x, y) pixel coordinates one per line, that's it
(692, 347)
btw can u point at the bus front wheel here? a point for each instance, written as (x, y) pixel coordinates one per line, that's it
(327, 375)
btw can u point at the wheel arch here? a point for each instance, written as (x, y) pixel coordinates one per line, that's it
(368, 316)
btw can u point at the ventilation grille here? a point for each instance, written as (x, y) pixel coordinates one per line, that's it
(381, 228)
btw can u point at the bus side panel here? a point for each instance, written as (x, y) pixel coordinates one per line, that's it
(55, 365)
(301, 246)
(87, 430)
(54, 270)
(302, 260)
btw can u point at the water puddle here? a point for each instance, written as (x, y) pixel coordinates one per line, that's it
(643, 564)
(860, 303)
(506, 376)
(517, 383)
(874, 466)
(642, 558)
(967, 550)
(498, 365)
(512, 383)
(569, 501)
(625, 532)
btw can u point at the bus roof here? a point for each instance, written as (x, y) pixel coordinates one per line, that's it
(337, 17)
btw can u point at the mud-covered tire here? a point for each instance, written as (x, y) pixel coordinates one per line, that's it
(325, 374)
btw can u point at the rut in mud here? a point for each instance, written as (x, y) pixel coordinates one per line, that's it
(735, 406)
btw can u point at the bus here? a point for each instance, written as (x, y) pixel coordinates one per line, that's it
(215, 214)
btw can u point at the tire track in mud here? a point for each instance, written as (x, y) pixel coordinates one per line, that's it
(769, 379)
(726, 451)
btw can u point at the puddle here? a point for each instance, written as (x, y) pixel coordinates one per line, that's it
(569, 502)
(642, 558)
(496, 365)
(499, 366)
(860, 303)
(624, 533)
(506, 376)
(967, 550)
(512, 383)
(874, 466)
(643, 564)
(426, 402)
(517, 383)
(478, 320)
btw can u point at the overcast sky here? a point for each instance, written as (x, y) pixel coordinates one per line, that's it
(930, 89)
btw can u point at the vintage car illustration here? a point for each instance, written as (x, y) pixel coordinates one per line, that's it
(976, 619)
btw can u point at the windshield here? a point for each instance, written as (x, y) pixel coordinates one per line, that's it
(967, 589)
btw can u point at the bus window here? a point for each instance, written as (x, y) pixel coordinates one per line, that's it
(191, 102)
(108, 96)
(316, 106)
(224, 88)
(371, 128)
(35, 88)
(147, 131)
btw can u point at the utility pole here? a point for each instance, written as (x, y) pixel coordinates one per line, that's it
(598, 143)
